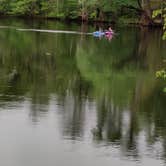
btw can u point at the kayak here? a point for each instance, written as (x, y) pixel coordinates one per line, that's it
(109, 33)
(98, 33)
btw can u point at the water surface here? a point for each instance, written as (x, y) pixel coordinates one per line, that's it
(73, 99)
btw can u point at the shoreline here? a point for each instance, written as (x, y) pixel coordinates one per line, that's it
(121, 21)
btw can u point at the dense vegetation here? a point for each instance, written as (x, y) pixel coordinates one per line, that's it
(98, 10)
(161, 12)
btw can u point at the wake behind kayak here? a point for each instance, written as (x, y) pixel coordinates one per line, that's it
(95, 34)
(54, 31)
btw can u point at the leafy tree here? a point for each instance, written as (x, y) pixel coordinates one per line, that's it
(100, 10)
(5, 6)
(24, 7)
(162, 13)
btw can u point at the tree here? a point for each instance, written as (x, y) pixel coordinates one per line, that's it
(161, 12)
(24, 7)
(147, 7)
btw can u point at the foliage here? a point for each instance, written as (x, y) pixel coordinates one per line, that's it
(93, 9)
(161, 74)
(161, 12)
(28, 7)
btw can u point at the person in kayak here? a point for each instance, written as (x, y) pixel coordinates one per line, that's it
(109, 31)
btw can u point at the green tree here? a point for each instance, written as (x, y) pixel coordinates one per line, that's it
(25, 7)
(162, 13)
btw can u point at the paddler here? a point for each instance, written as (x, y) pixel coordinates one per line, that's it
(110, 30)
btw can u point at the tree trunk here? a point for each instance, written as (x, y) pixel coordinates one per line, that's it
(146, 17)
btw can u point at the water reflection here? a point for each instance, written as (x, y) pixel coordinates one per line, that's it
(104, 90)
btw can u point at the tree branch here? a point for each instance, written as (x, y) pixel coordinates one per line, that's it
(139, 4)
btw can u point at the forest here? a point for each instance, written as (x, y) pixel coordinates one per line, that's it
(127, 11)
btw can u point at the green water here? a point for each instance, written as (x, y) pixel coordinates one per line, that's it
(71, 99)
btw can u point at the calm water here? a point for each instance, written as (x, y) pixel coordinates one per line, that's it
(71, 99)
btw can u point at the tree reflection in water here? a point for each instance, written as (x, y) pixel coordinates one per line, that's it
(118, 77)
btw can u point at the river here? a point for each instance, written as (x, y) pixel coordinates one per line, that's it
(74, 99)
